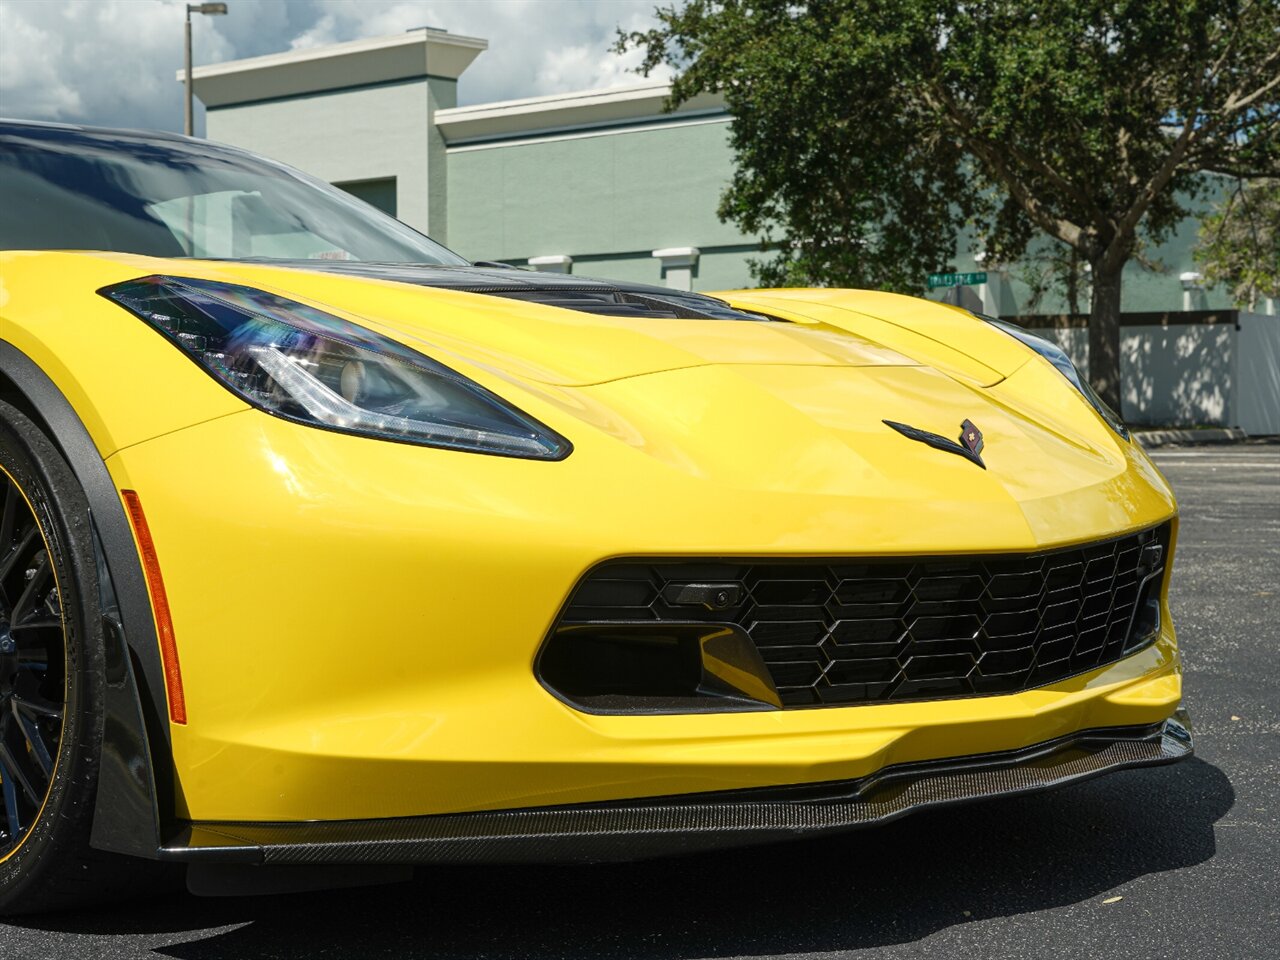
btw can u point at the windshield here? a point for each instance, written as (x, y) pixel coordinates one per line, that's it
(66, 189)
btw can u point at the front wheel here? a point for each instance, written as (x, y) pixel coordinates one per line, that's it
(51, 682)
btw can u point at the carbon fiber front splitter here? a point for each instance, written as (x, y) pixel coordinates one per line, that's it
(630, 830)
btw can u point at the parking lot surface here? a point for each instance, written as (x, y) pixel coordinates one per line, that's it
(1180, 861)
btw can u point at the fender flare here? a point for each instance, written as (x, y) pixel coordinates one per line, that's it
(135, 780)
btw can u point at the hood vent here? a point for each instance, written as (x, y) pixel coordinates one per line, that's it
(626, 303)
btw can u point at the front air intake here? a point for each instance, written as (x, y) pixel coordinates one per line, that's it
(831, 632)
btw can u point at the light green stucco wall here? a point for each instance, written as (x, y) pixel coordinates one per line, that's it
(367, 133)
(607, 200)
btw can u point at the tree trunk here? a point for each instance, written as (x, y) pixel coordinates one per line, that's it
(1104, 334)
(1073, 280)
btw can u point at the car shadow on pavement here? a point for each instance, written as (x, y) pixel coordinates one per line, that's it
(894, 884)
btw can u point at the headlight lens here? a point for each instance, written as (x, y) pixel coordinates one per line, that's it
(1058, 357)
(306, 365)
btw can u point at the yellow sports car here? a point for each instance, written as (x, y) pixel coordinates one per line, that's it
(325, 552)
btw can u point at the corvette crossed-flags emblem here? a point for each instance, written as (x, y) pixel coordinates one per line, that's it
(969, 446)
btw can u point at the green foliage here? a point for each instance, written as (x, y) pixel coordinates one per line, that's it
(1053, 268)
(868, 133)
(1240, 243)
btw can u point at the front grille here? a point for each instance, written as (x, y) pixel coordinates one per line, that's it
(890, 630)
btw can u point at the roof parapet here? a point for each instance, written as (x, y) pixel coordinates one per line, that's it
(577, 110)
(338, 66)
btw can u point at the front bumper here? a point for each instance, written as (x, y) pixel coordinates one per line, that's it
(357, 621)
(667, 825)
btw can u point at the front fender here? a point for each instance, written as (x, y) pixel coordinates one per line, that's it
(135, 778)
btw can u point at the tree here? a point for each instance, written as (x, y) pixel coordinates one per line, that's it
(870, 132)
(1052, 267)
(1240, 243)
(1055, 268)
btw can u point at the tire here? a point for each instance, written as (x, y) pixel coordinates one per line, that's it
(48, 575)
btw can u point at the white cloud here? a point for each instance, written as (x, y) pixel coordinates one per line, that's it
(581, 68)
(112, 62)
(30, 55)
(317, 35)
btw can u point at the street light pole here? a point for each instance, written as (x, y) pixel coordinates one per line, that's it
(188, 124)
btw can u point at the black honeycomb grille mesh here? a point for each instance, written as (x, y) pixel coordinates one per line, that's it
(868, 631)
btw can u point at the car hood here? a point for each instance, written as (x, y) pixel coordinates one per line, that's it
(823, 431)
(566, 330)
(561, 329)
(776, 390)
(793, 405)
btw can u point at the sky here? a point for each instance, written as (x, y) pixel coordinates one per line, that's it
(112, 62)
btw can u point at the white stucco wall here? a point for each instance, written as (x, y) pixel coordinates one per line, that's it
(1195, 374)
(1258, 405)
(1175, 375)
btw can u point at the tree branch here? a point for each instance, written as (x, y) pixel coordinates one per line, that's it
(1062, 183)
(1118, 249)
(1064, 230)
(1233, 105)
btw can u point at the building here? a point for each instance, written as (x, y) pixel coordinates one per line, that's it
(601, 182)
(606, 183)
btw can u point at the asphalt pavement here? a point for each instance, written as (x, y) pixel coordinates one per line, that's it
(1171, 862)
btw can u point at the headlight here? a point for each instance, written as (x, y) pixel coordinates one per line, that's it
(1058, 357)
(309, 366)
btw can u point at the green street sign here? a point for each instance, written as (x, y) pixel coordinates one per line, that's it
(956, 279)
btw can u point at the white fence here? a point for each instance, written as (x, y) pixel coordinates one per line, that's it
(1220, 374)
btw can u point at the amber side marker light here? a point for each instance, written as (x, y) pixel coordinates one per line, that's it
(160, 606)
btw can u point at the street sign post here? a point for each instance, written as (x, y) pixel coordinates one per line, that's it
(956, 280)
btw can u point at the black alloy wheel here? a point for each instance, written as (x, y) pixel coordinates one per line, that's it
(33, 659)
(52, 687)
